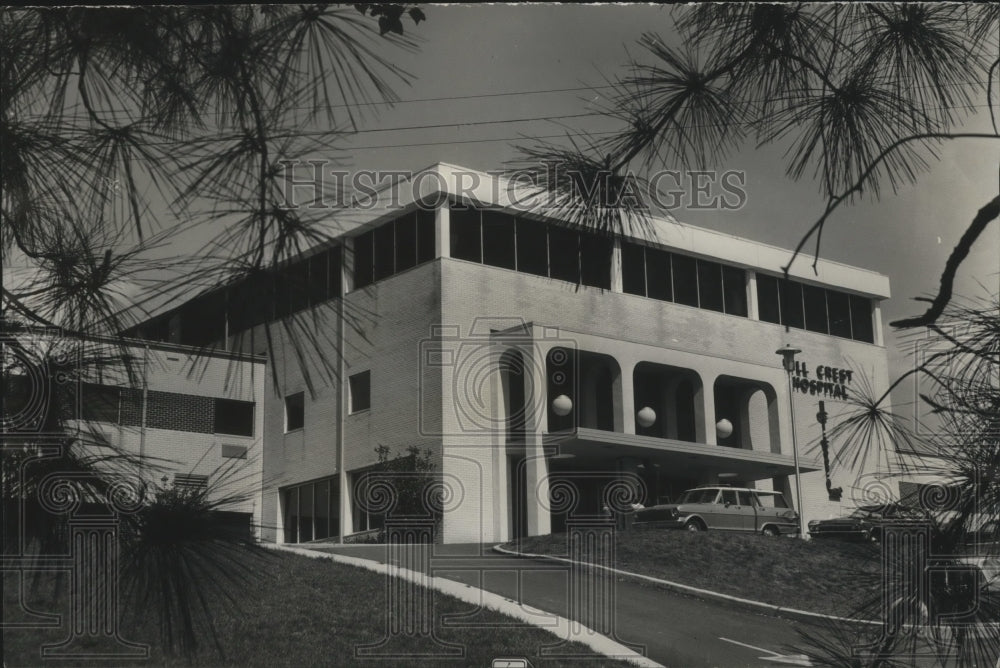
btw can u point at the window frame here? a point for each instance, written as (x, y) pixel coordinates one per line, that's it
(351, 392)
(301, 407)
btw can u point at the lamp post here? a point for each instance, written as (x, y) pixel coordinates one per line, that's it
(788, 354)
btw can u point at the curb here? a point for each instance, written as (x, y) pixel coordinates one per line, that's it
(562, 627)
(688, 589)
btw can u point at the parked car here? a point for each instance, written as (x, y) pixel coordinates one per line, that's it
(724, 508)
(866, 523)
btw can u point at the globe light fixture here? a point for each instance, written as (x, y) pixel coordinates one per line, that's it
(724, 428)
(562, 405)
(645, 417)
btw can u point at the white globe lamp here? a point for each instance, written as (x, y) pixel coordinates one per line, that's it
(724, 428)
(645, 417)
(562, 405)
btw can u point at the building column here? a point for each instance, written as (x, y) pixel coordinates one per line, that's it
(753, 310)
(628, 396)
(442, 230)
(705, 418)
(537, 484)
(616, 266)
(877, 322)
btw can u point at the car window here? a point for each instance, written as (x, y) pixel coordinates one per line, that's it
(729, 496)
(771, 501)
(745, 498)
(699, 496)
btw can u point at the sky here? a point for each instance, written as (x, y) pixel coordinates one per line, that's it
(484, 76)
(526, 56)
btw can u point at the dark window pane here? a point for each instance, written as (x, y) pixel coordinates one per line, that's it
(767, 299)
(595, 260)
(710, 285)
(279, 290)
(203, 320)
(333, 274)
(734, 285)
(815, 303)
(99, 402)
(319, 278)
(564, 254)
(498, 240)
(322, 504)
(791, 304)
(295, 410)
(658, 283)
(685, 280)
(364, 268)
(297, 284)
(385, 252)
(361, 391)
(839, 307)
(425, 235)
(406, 241)
(233, 417)
(633, 269)
(532, 247)
(861, 319)
(305, 513)
(465, 235)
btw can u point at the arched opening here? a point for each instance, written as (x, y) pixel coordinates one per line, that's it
(665, 401)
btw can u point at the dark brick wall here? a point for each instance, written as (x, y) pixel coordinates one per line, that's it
(180, 412)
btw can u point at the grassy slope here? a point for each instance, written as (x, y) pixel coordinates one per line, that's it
(819, 576)
(305, 612)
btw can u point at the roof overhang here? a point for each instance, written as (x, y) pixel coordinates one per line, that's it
(596, 448)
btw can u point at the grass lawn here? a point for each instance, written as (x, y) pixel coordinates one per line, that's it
(819, 576)
(301, 612)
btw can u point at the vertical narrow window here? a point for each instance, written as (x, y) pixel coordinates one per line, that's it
(791, 304)
(633, 269)
(564, 254)
(406, 241)
(498, 240)
(319, 278)
(595, 260)
(767, 299)
(292, 515)
(360, 391)
(364, 258)
(685, 280)
(532, 247)
(385, 251)
(658, 282)
(333, 275)
(295, 411)
(466, 231)
(322, 501)
(734, 288)
(710, 285)
(306, 513)
(861, 319)
(425, 235)
(838, 306)
(297, 284)
(814, 299)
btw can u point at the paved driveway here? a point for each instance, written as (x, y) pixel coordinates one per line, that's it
(677, 631)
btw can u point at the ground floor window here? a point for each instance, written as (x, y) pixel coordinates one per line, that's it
(365, 499)
(311, 511)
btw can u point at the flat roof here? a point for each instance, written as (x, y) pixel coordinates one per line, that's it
(495, 190)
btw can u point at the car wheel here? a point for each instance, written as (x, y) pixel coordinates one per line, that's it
(770, 530)
(694, 525)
